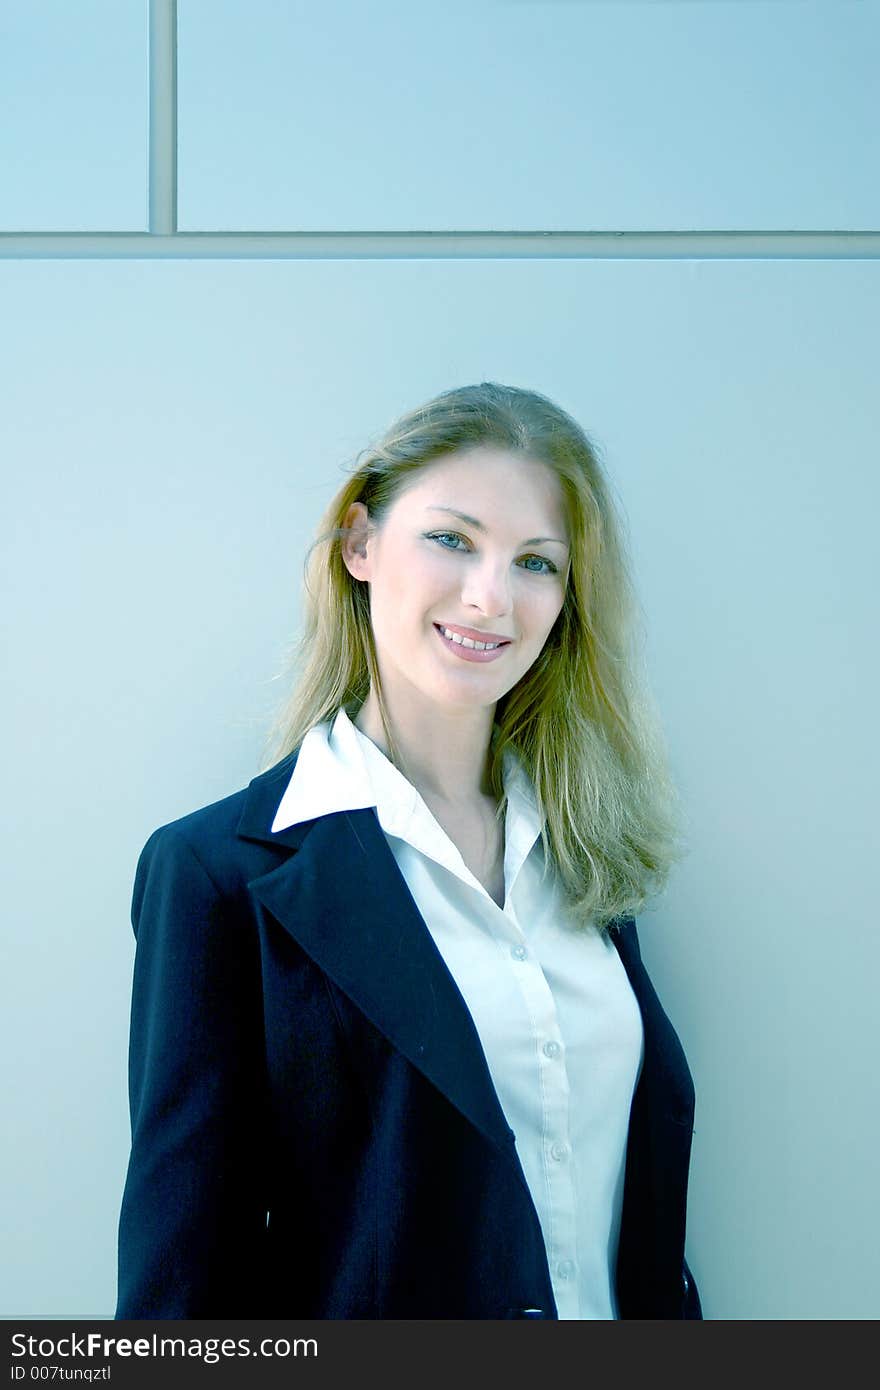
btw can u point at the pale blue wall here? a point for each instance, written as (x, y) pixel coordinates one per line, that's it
(73, 115)
(171, 433)
(528, 114)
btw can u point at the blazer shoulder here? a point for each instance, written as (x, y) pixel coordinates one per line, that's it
(206, 825)
(210, 832)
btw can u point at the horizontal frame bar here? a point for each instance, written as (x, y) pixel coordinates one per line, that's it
(351, 245)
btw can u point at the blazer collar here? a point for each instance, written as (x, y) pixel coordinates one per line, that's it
(341, 896)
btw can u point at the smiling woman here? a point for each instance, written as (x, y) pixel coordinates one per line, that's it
(516, 471)
(394, 1052)
(477, 589)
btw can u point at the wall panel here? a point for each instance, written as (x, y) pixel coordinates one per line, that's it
(529, 114)
(73, 115)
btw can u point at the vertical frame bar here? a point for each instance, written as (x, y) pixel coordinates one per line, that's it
(163, 117)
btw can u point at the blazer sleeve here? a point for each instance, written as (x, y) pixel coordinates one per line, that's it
(192, 1224)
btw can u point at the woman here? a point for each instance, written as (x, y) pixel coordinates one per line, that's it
(394, 1053)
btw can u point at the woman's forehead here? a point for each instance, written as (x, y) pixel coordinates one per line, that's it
(484, 491)
(474, 479)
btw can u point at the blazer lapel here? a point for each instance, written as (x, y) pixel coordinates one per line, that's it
(342, 897)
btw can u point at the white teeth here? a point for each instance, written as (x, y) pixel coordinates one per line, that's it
(466, 641)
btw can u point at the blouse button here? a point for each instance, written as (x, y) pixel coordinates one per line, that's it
(558, 1151)
(551, 1049)
(565, 1269)
(518, 952)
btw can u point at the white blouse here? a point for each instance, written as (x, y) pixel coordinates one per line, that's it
(558, 1021)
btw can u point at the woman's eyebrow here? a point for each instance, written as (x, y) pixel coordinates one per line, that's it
(478, 526)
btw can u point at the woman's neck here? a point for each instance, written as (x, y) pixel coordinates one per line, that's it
(446, 754)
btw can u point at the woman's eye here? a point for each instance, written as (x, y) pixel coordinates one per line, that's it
(443, 536)
(548, 567)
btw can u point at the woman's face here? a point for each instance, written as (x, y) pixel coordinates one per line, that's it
(477, 544)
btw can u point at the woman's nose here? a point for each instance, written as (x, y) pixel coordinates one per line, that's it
(487, 587)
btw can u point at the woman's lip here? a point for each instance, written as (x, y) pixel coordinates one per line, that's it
(473, 634)
(471, 654)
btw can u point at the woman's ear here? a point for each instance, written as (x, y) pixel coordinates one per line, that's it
(354, 545)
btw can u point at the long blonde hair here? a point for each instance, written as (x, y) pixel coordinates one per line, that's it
(581, 720)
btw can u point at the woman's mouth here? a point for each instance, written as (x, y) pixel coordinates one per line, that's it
(463, 647)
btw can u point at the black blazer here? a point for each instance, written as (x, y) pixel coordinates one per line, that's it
(315, 1132)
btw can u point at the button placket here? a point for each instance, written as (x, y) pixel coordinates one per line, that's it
(559, 1173)
(552, 1079)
